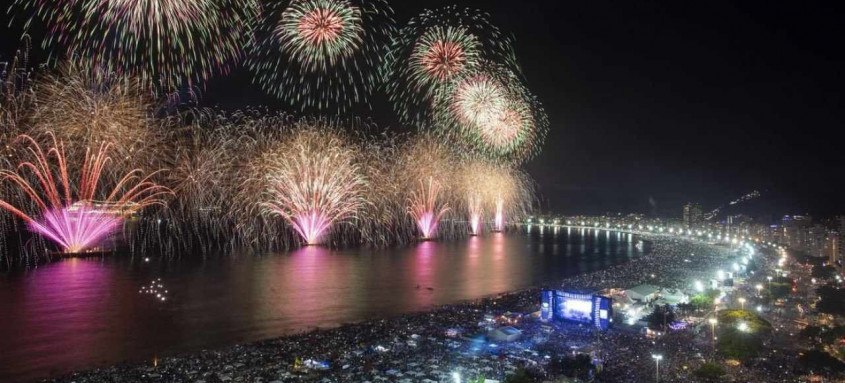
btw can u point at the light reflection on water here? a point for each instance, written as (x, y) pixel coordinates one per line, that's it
(80, 313)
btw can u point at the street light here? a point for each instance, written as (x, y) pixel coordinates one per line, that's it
(657, 358)
(759, 287)
(713, 322)
(742, 302)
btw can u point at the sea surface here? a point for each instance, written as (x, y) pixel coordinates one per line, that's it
(84, 313)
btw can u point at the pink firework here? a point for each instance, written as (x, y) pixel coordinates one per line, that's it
(317, 34)
(504, 129)
(311, 225)
(315, 182)
(474, 202)
(499, 218)
(443, 59)
(426, 209)
(71, 214)
(76, 228)
(321, 26)
(442, 53)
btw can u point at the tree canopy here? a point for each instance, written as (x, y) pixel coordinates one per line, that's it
(741, 333)
(832, 300)
(710, 372)
(661, 317)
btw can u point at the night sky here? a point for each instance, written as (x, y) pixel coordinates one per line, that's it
(653, 104)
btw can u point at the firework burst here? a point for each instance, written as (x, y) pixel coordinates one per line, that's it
(322, 53)
(75, 216)
(441, 54)
(165, 43)
(433, 50)
(492, 113)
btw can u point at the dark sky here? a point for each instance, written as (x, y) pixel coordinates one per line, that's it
(667, 101)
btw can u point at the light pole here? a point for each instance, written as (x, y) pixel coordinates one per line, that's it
(758, 287)
(657, 358)
(742, 302)
(713, 322)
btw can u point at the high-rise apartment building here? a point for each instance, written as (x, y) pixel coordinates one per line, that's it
(693, 216)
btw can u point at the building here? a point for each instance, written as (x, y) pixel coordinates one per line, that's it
(504, 334)
(643, 293)
(672, 297)
(816, 241)
(831, 247)
(693, 216)
(796, 230)
(840, 255)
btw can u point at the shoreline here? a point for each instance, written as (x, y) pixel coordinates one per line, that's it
(273, 359)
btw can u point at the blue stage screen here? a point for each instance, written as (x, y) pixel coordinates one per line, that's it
(575, 307)
(595, 310)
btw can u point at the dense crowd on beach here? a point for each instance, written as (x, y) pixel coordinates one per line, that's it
(447, 344)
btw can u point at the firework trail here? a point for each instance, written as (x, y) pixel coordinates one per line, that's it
(15, 90)
(322, 53)
(385, 220)
(75, 216)
(433, 50)
(167, 44)
(511, 194)
(84, 108)
(426, 173)
(476, 213)
(493, 190)
(213, 171)
(490, 112)
(426, 208)
(499, 217)
(471, 182)
(201, 168)
(15, 100)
